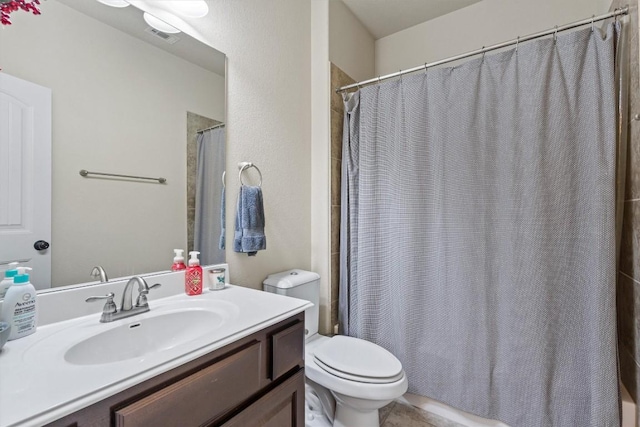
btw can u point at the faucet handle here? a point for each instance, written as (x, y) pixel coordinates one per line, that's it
(109, 306)
(155, 285)
(142, 296)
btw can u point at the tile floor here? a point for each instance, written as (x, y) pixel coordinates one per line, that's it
(402, 414)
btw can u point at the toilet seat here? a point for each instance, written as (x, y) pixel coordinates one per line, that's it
(356, 378)
(358, 360)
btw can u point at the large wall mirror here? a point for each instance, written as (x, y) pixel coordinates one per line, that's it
(127, 100)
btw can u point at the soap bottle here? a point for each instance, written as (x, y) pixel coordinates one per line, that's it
(20, 307)
(178, 261)
(8, 278)
(193, 275)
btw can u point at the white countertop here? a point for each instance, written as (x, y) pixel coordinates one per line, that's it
(38, 386)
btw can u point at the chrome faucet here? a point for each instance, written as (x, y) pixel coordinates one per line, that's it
(98, 271)
(110, 310)
(127, 295)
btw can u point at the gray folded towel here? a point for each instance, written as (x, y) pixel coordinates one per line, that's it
(249, 232)
(223, 219)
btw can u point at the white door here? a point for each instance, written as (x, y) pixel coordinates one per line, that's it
(25, 176)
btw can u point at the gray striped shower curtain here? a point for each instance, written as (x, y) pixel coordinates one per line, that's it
(478, 230)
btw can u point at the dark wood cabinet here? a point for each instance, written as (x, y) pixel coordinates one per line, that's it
(255, 381)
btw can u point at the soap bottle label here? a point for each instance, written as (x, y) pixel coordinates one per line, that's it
(24, 315)
(193, 282)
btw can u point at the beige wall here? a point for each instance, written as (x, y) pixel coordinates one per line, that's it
(351, 46)
(320, 153)
(481, 24)
(267, 44)
(119, 105)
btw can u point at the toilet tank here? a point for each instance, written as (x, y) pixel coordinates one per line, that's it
(298, 284)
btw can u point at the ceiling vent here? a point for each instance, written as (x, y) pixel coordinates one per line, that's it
(169, 38)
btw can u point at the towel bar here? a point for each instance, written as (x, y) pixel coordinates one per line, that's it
(85, 173)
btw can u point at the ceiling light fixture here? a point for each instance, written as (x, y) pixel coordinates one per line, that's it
(189, 8)
(159, 24)
(115, 3)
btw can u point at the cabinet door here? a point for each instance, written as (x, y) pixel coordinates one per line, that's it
(287, 350)
(200, 397)
(281, 407)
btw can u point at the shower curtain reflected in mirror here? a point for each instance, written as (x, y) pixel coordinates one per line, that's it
(478, 230)
(209, 195)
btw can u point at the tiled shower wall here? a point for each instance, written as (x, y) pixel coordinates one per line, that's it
(338, 78)
(628, 296)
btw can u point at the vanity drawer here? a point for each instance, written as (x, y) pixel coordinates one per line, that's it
(287, 350)
(199, 397)
(281, 407)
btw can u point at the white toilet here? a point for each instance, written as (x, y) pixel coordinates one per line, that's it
(348, 377)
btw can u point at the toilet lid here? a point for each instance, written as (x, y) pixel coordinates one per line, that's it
(357, 360)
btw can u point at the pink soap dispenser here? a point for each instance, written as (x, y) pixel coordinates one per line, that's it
(178, 261)
(193, 275)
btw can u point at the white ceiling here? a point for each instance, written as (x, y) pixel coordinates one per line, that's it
(385, 17)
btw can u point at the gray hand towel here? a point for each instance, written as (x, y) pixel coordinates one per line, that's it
(249, 231)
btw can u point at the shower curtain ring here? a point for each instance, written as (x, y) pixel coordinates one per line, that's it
(483, 52)
(592, 19)
(555, 34)
(425, 68)
(517, 42)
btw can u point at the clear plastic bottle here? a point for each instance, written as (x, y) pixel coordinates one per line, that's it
(20, 306)
(6, 283)
(193, 275)
(178, 261)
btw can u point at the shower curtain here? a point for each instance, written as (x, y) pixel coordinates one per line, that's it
(478, 230)
(209, 187)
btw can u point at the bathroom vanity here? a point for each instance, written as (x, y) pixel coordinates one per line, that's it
(257, 380)
(225, 358)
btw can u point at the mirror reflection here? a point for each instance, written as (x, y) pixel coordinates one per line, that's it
(124, 99)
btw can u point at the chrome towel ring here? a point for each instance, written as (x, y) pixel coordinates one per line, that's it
(243, 166)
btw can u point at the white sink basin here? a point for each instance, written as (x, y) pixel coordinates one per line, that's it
(143, 336)
(168, 328)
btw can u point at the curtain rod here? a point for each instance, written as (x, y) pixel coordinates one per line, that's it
(554, 31)
(219, 125)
